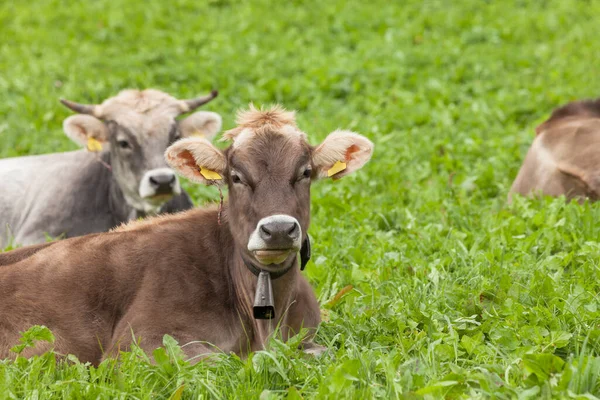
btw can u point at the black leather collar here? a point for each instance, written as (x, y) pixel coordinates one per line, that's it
(305, 253)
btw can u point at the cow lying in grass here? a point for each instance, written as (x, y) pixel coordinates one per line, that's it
(190, 275)
(124, 177)
(564, 158)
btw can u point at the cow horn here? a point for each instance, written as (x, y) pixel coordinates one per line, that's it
(192, 104)
(80, 108)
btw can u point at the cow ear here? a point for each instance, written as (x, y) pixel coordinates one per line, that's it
(198, 160)
(204, 124)
(87, 131)
(341, 153)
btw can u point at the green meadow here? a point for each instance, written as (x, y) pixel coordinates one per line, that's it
(430, 284)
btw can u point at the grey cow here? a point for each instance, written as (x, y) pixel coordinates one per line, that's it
(123, 177)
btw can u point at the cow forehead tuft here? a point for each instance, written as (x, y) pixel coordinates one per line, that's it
(275, 116)
(253, 121)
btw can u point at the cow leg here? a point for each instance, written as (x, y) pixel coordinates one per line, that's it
(193, 351)
(305, 313)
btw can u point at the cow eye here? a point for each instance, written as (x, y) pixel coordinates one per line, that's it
(235, 178)
(306, 174)
(123, 144)
(239, 179)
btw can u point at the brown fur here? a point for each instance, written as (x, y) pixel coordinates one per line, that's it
(254, 119)
(564, 158)
(22, 253)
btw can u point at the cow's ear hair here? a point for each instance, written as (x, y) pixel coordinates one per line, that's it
(341, 153)
(203, 124)
(197, 159)
(85, 129)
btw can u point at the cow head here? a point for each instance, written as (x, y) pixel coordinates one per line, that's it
(136, 127)
(268, 170)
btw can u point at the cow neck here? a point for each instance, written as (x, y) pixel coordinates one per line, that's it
(284, 292)
(281, 287)
(118, 207)
(243, 283)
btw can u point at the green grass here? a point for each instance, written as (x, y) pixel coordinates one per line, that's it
(455, 293)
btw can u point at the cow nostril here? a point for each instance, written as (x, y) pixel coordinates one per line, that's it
(163, 180)
(264, 231)
(293, 230)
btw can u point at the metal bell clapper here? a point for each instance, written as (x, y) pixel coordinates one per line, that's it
(264, 304)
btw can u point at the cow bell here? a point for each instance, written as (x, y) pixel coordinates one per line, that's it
(264, 304)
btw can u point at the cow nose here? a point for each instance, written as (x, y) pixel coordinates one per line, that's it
(163, 183)
(279, 234)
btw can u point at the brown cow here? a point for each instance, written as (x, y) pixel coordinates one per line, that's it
(190, 275)
(564, 158)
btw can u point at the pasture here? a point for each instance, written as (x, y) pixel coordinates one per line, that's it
(430, 284)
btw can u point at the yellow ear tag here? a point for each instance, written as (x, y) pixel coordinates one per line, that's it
(199, 134)
(337, 167)
(94, 145)
(210, 175)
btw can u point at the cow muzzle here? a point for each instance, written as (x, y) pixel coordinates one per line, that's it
(159, 184)
(275, 238)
